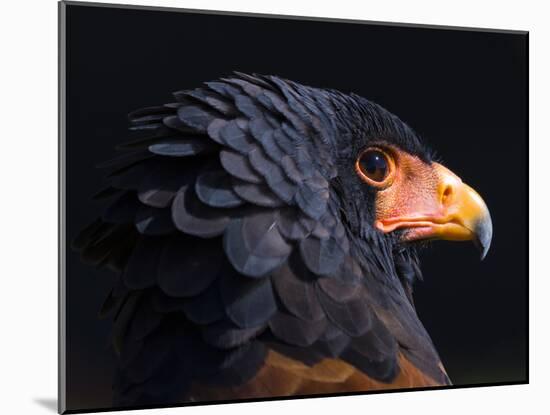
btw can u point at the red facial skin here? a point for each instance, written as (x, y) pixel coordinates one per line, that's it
(426, 199)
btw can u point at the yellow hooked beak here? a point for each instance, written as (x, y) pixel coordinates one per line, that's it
(451, 211)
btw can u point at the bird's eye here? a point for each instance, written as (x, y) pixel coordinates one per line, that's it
(373, 166)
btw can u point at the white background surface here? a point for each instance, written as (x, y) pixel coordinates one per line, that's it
(28, 204)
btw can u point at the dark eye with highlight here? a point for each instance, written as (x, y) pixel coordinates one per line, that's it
(373, 164)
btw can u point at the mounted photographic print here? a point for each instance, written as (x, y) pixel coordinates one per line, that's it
(269, 207)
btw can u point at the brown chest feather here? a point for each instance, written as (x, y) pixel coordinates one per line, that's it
(281, 376)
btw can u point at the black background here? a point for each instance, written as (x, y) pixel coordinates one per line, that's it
(465, 92)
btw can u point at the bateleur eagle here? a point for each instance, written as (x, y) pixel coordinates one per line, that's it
(263, 237)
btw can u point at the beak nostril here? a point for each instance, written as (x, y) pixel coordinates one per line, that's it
(447, 195)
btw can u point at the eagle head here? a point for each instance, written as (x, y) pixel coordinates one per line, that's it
(390, 181)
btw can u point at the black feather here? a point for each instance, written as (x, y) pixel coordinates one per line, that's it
(130, 178)
(159, 198)
(153, 353)
(196, 117)
(385, 370)
(160, 182)
(271, 148)
(333, 342)
(254, 245)
(377, 343)
(248, 302)
(147, 113)
(206, 308)
(312, 201)
(238, 166)
(234, 136)
(258, 194)
(193, 217)
(154, 221)
(145, 320)
(225, 335)
(297, 295)
(111, 305)
(188, 266)
(213, 100)
(224, 89)
(182, 148)
(296, 331)
(290, 225)
(214, 189)
(247, 106)
(322, 256)
(241, 365)
(174, 123)
(165, 304)
(291, 170)
(249, 87)
(141, 271)
(272, 174)
(214, 129)
(353, 317)
(339, 290)
(123, 209)
(106, 241)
